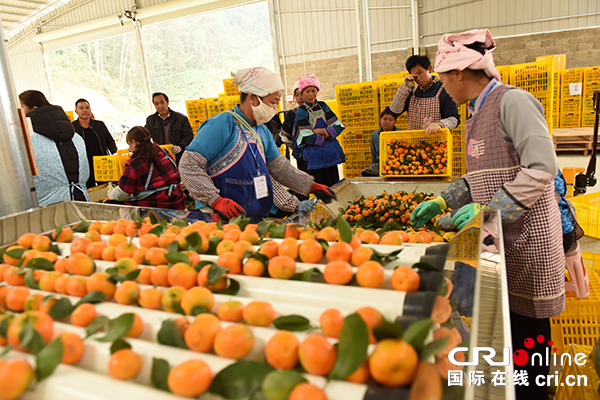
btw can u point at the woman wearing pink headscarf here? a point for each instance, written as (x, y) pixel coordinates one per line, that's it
(511, 166)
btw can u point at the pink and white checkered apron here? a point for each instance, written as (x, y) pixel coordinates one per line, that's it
(535, 260)
(423, 111)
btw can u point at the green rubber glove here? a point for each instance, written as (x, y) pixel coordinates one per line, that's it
(466, 213)
(427, 210)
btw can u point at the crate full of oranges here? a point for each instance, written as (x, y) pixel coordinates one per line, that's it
(415, 154)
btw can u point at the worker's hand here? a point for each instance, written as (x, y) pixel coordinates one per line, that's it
(321, 131)
(427, 210)
(306, 207)
(466, 213)
(176, 149)
(227, 208)
(445, 222)
(409, 81)
(322, 192)
(433, 128)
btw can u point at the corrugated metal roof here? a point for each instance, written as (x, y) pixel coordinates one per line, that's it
(17, 14)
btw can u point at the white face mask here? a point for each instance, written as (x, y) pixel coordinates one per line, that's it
(262, 113)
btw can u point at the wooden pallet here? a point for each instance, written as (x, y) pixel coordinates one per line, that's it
(573, 139)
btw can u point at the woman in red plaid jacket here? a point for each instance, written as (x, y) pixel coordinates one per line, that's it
(150, 177)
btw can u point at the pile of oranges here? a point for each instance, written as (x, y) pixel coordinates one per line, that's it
(404, 158)
(184, 287)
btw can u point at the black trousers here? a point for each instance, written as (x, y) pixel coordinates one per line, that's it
(523, 328)
(326, 176)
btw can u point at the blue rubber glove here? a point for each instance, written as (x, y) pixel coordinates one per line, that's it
(306, 207)
(445, 222)
(427, 210)
(466, 213)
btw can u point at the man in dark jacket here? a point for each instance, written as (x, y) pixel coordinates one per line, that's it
(98, 140)
(169, 127)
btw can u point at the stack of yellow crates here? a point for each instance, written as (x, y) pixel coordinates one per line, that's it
(559, 61)
(230, 88)
(71, 115)
(556, 99)
(358, 110)
(387, 90)
(570, 105)
(504, 73)
(591, 83)
(196, 112)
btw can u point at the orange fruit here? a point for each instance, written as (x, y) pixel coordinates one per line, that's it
(125, 265)
(289, 247)
(73, 348)
(405, 279)
(79, 245)
(3, 268)
(60, 285)
(9, 260)
(259, 313)
(108, 227)
(95, 249)
(149, 240)
(171, 295)
(182, 274)
(127, 293)
(95, 226)
(234, 341)
(331, 322)
(361, 255)
(269, 249)
(231, 227)
(124, 364)
(61, 265)
(338, 272)
(136, 327)
(442, 310)
(454, 339)
(83, 315)
(166, 239)
(15, 377)
(41, 323)
(201, 334)
(225, 246)
(41, 243)
(328, 233)
(316, 355)
(197, 297)
(231, 261)
(444, 364)
(26, 239)
(231, 311)
(139, 255)
(241, 247)
(202, 280)
(150, 298)
(159, 275)
(370, 274)
(291, 232)
(76, 286)
(310, 251)
(190, 379)
(216, 233)
(93, 236)
(100, 282)
(80, 264)
(253, 267)
(144, 276)
(370, 237)
(306, 391)
(15, 298)
(372, 318)
(282, 350)
(393, 363)
(28, 256)
(308, 233)
(249, 235)
(47, 281)
(33, 302)
(116, 239)
(156, 256)
(13, 277)
(120, 227)
(282, 267)
(427, 383)
(132, 228)
(392, 238)
(47, 305)
(339, 251)
(108, 254)
(193, 256)
(233, 235)
(125, 250)
(361, 375)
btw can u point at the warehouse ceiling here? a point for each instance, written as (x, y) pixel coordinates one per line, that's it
(18, 13)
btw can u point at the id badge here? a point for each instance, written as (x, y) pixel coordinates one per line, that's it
(260, 186)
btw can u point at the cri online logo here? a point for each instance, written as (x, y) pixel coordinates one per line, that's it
(520, 357)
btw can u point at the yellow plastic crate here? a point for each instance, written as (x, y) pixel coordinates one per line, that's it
(570, 120)
(572, 75)
(356, 161)
(559, 61)
(397, 75)
(591, 74)
(578, 391)
(588, 95)
(570, 104)
(588, 118)
(107, 168)
(230, 88)
(387, 91)
(538, 79)
(360, 117)
(580, 321)
(591, 261)
(356, 140)
(357, 94)
(415, 137)
(196, 109)
(216, 105)
(333, 106)
(459, 162)
(504, 73)
(588, 211)
(71, 115)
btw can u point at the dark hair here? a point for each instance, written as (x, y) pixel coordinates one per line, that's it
(413, 61)
(387, 111)
(478, 46)
(33, 98)
(243, 97)
(81, 101)
(160, 94)
(296, 92)
(146, 150)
